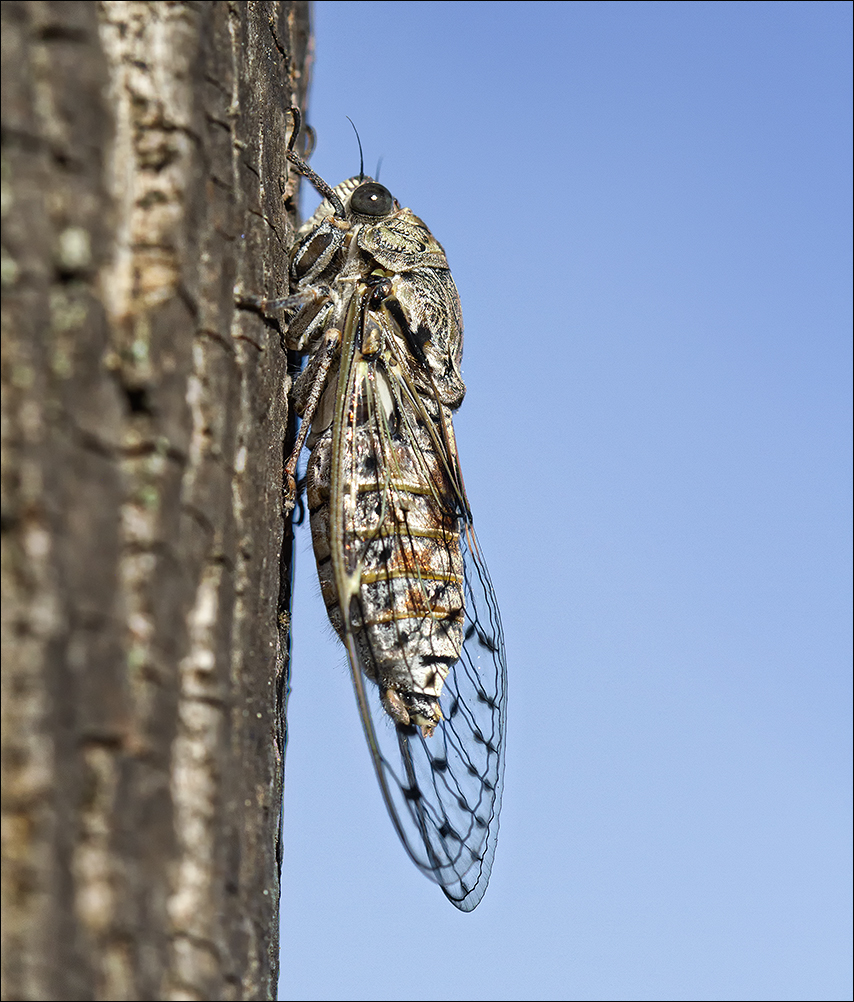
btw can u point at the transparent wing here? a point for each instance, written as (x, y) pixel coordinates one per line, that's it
(443, 792)
(442, 788)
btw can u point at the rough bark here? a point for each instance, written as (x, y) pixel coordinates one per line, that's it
(144, 423)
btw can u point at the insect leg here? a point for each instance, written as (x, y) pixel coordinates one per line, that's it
(306, 311)
(288, 304)
(308, 389)
(263, 305)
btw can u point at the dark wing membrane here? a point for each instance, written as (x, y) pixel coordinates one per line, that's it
(442, 791)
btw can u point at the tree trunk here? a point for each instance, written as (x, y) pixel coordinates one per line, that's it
(146, 562)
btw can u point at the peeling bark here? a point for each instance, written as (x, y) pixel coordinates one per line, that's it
(145, 567)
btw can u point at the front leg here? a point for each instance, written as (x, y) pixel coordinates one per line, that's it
(306, 313)
(308, 310)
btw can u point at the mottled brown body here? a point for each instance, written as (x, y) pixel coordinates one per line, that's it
(389, 399)
(374, 308)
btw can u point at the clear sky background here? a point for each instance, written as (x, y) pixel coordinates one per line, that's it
(647, 211)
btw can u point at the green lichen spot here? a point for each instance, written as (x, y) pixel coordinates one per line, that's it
(9, 269)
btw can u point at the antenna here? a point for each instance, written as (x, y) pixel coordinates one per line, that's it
(307, 172)
(361, 155)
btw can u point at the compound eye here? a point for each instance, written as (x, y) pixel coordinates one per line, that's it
(371, 199)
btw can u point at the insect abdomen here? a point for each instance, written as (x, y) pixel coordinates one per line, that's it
(408, 614)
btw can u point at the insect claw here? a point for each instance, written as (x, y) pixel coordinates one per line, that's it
(290, 494)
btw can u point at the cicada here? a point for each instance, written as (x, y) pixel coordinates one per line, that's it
(374, 308)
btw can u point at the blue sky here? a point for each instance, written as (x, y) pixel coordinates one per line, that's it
(647, 211)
